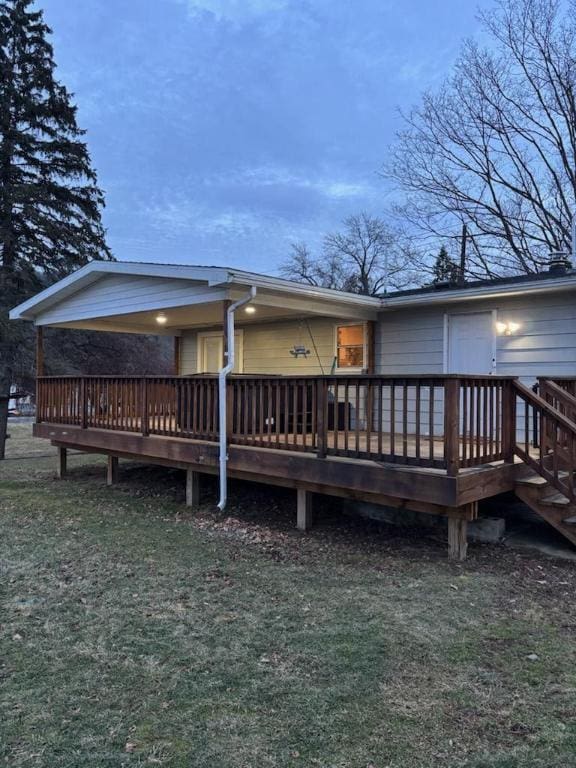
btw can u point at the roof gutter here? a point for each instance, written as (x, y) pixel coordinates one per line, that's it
(222, 404)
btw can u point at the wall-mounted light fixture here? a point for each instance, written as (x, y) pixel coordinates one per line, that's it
(161, 318)
(507, 329)
(250, 310)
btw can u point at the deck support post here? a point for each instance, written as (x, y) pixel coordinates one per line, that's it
(457, 538)
(39, 350)
(112, 470)
(192, 488)
(509, 421)
(304, 512)
(177, 355)
(61, 463)
(452, 425)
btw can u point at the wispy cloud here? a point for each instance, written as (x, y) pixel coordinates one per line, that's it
(222, 130)
(236, 10)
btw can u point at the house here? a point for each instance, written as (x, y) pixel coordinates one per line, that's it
(419, 399)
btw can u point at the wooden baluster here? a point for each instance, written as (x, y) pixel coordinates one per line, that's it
(321, 412)
(260, 431)
(392, 419)
(286, 412)
(336, 415)
(484, 420)
(304, 387)
(471, 423)
(144, 426)
(369, 414)
(380, 417)
(405, 419)
(347, 410)
(84, 403)
(417, 407)
(358, 419)
(278, 396)
(431, 429)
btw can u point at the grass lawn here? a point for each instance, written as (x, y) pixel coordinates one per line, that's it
(136, 633)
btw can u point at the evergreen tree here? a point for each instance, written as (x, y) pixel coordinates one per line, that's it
(445, 270)
(50, 202)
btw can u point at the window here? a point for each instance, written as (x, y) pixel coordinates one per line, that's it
(350, 346)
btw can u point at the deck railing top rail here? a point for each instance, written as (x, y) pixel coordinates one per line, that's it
(440, 377)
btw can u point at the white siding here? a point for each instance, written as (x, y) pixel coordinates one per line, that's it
(267, 347)
(189, 353)
(412, 340)
(119, 294)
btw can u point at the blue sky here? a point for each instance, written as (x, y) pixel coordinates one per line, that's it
(224, 130)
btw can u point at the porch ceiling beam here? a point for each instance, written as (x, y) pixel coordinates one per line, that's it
(108, 327)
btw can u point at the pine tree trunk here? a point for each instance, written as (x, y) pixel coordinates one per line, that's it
(5, 384)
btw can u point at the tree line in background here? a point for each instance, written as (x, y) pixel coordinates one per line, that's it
(494, 149)
(50, 202)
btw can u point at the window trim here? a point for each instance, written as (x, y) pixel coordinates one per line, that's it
(352, 369)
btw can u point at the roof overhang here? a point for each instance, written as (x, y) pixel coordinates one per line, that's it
(205, 288)
(472, 293)
(202, 289)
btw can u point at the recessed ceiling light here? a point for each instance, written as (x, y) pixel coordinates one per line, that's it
(161, 318)
(250, 310)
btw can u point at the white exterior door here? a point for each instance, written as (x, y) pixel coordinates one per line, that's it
(471, 343)
(211, 349)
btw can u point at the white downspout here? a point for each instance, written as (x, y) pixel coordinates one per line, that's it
(222, 374)
(574, 241)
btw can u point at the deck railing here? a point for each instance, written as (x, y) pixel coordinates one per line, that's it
(446, 422)
(551, 416)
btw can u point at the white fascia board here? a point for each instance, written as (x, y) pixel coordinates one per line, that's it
(311, 292)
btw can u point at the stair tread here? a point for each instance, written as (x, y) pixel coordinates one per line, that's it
(556, 499)
(534, 479)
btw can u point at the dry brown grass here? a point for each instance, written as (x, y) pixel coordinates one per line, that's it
(136, 633)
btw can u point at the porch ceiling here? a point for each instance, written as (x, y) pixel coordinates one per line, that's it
(117, 296)
(267, 305)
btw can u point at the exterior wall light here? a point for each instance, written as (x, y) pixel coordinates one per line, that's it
(161, 318)
(507, 329)
(250, 310)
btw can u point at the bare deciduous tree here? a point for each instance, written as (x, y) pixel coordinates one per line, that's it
(366, 257)
(496, 146)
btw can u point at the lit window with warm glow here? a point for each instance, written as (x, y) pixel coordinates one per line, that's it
(350, 346)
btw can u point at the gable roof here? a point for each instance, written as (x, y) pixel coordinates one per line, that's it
(208, 276)
(229, 277)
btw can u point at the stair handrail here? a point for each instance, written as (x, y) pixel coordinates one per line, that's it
(567, 399)
(549, 412)
(538, 401)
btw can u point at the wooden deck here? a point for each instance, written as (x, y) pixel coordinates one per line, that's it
(434, 444)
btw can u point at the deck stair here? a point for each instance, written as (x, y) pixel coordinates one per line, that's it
(551, 505)
(549, 485)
